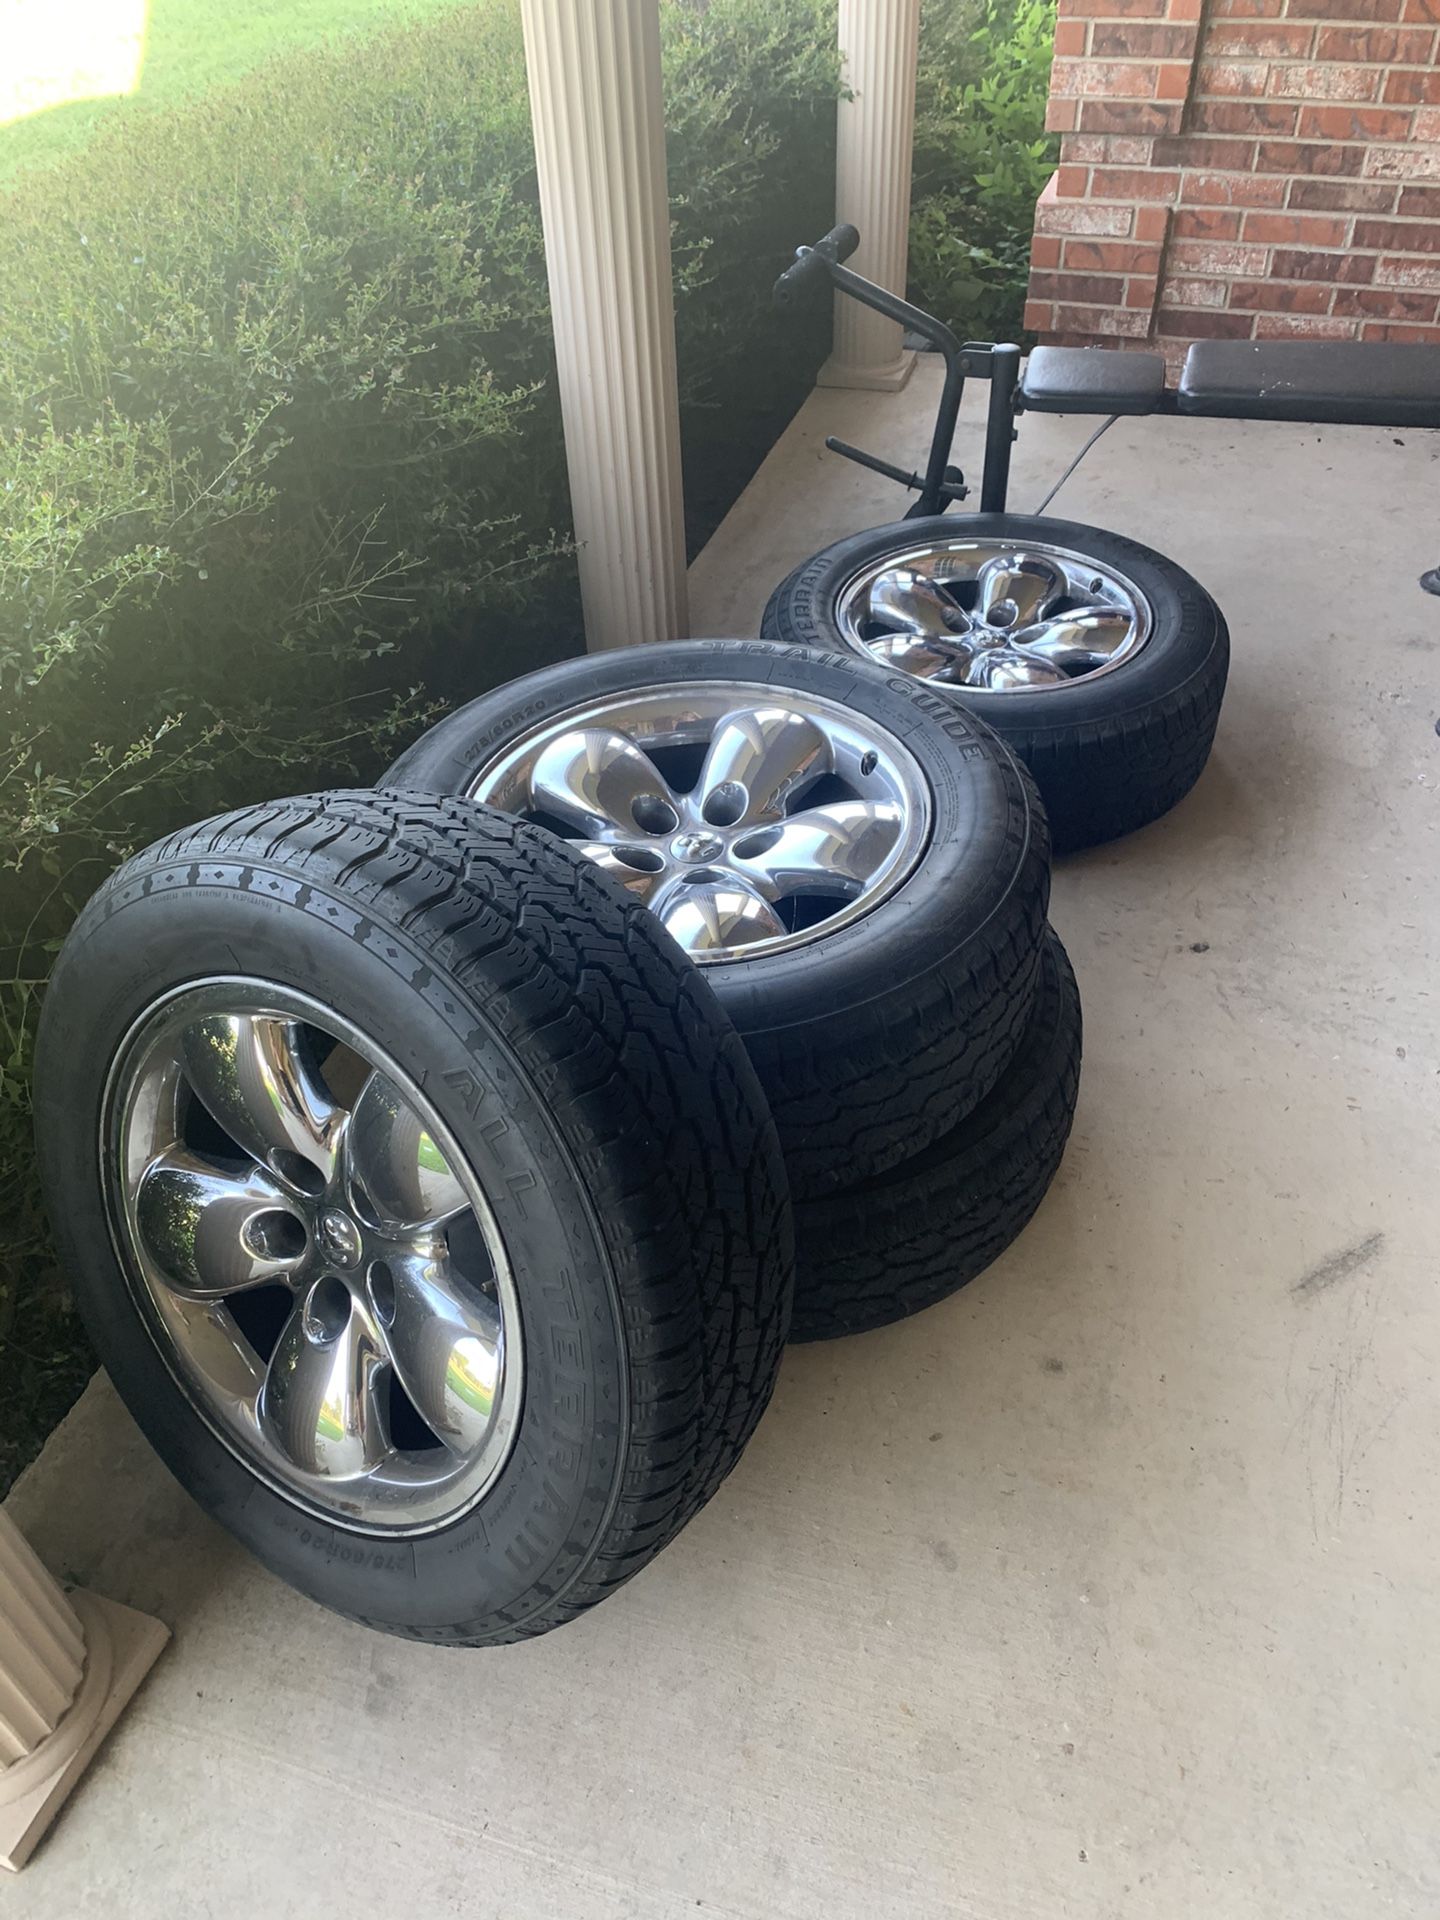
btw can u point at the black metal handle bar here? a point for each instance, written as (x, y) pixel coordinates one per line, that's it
(1000, 364)
(952, 488)
(813, 263)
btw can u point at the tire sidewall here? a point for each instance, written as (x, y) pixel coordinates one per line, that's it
(530, 1537)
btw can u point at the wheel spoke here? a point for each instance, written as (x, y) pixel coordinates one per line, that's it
(926, 655)
(446, 1346)
(205, 1332)
(395, 1174)
(1026, 582)
(248, 1071)
(712, 917)
(319, 1404)
(910, 602)
(641, 881)
(212, 1233)
(1003, 667)
(600, 783)
(759, 758)
(1077, 642)
(824, 849)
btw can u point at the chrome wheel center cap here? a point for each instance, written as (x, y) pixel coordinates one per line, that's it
(339, 1238)
(695, 848)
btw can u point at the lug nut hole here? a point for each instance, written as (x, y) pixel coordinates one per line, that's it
(754, 844)
(380, 1285)
(275, 1235)
(726, 804)
(652, 814)
(298, 1172)
(640, 859)
(327, 1310)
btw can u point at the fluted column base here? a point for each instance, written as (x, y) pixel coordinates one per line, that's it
(886, 378)
(68, 1665)
(875, 139)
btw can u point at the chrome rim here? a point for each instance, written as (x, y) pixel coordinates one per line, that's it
(313, 1255)
(749, 819)
(995, 616)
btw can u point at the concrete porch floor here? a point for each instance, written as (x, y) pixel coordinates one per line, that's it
(1108, 1588)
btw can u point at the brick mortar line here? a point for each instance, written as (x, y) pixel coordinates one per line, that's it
(1397, 184)
(1419, 185)
(1187, 105)
(1349, 292)
(1251, 140)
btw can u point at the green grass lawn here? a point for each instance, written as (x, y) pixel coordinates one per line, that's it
(184, 46)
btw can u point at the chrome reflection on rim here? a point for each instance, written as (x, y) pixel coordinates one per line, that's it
(750, 819)
(994, 616)
(312, 1255)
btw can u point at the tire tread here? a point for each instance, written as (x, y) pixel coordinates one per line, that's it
(624, 1043)
(890, 1247)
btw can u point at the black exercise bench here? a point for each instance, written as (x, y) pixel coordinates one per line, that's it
(1325, 382)
(1328, 382)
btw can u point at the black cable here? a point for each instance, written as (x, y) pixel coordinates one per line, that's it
(1104, 427)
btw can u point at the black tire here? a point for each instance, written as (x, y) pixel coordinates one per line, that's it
(897, 1244)
(1109, 754)
(875, 1039)
(580, 1060)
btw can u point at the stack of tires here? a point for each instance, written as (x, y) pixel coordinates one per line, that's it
(442, 1169)
(862, 872)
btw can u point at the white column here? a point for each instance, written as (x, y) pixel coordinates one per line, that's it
(595, 102)
(874, 147)
(67, 1667)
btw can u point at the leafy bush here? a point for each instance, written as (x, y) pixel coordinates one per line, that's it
(280, 457)
(750, 92)
(982, 156)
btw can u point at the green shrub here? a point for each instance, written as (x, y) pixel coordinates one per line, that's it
(280, 457)
(982, 156)
(750, 92)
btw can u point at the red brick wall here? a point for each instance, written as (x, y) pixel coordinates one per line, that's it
(1237, 169)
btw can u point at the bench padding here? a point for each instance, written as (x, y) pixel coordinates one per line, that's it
(1092, 380)
(1340, 382)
